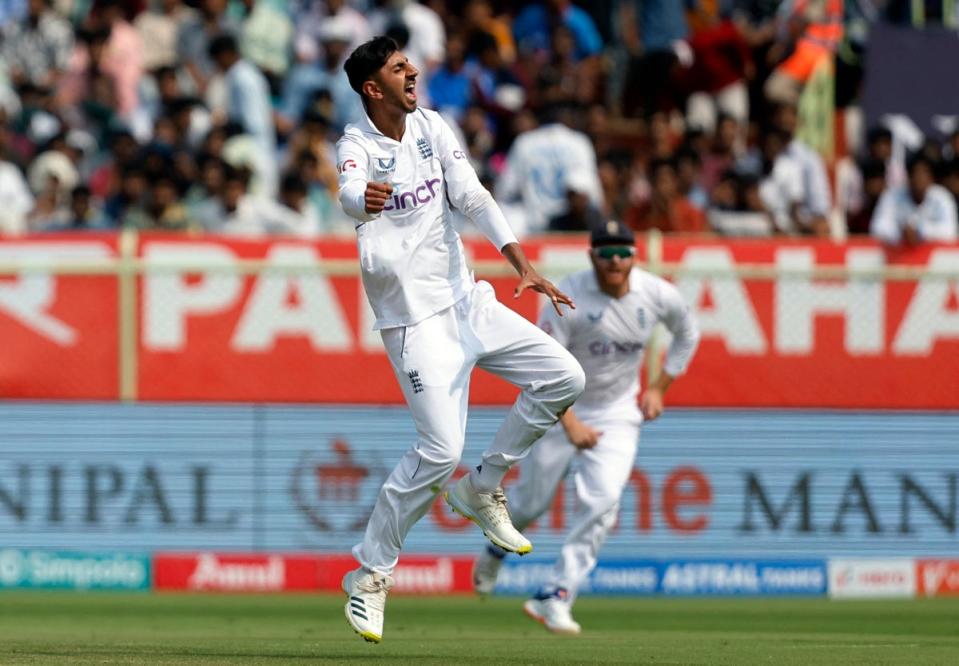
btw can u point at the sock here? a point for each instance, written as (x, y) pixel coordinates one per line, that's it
(486, 477)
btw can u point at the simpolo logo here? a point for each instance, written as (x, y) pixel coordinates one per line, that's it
(11, 567)
(70, 570)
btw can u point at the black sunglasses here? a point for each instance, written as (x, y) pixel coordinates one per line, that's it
(609, 251)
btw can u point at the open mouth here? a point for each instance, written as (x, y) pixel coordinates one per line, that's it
(410, 90)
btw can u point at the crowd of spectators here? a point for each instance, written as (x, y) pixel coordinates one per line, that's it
(221, 116)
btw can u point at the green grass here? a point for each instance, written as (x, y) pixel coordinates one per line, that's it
(85, 628)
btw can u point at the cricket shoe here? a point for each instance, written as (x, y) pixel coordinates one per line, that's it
(552, 610)
(486, 569)
(366, 599)
(488, 510)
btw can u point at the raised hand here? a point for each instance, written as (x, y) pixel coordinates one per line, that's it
(533, 280)
(376, 196)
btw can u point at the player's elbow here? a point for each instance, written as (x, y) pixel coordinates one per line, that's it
(473, 204)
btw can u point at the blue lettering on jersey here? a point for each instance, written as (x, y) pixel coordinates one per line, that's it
(605, 348)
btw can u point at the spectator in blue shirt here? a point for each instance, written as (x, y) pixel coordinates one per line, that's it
(451, 85)
(655, 34)
(533, 28)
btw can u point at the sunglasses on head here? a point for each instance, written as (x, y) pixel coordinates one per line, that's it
(610, 251)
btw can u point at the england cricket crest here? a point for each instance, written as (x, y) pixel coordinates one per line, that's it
(334, 490)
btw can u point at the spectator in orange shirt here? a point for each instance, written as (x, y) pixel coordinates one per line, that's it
(667, 209)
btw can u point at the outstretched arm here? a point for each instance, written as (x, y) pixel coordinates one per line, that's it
(531, 279)
(469, 196)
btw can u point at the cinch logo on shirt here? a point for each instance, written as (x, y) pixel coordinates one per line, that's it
(599, 348)
(420, 195)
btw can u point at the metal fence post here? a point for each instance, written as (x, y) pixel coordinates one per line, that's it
(127, 315)
(654, 264)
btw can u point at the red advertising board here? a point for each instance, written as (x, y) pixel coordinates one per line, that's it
(216, 572)
(219, 335)
(276, 572)
(59, 333)
(796, 342)
(937, 578)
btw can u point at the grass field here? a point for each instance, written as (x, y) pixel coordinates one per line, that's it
(83, 628)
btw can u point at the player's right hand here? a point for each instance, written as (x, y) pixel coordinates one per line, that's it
(581, 435)
(376, 196)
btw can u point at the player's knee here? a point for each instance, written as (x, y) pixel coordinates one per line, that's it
(573, 381)
(438, 462)
(606, 509)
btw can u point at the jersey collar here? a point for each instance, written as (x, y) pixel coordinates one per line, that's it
(367, 126)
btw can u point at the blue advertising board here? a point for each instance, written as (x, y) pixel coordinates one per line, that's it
(734, 577)
(760, 485)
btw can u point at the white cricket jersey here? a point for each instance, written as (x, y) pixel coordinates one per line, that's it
(609, 335)
(934, 217)
(411, 257)
(538, 169)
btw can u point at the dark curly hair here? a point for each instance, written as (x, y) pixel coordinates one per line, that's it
(367, 59)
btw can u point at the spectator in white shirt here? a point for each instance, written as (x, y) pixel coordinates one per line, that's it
(311, 17)
(539, 165)
(253, 216)
(917, 212)
(16, 200)
(781, 188)
(248, 104)
(426, 42)
(816, 201)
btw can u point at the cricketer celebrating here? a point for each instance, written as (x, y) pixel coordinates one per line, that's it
(619, 305)
(401, 169)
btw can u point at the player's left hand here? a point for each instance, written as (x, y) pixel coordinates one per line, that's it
(651, 404)
(533, 280)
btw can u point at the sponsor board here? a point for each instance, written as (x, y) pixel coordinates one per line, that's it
(73, 570)
(224, 330)
(937, 578)
(866, 578)
(706, 485)
(221, 572)
(414, 574)
(678, 578)
(635, 577)
(744, 577)
(279, 572)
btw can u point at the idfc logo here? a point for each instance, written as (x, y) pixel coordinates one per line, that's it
(422, 194)
(872, 578)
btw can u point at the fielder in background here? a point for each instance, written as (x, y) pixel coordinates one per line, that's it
(401, 170)
(618, 306)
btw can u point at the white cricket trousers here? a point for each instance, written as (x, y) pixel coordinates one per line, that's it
(433, 360)
(599, 476)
